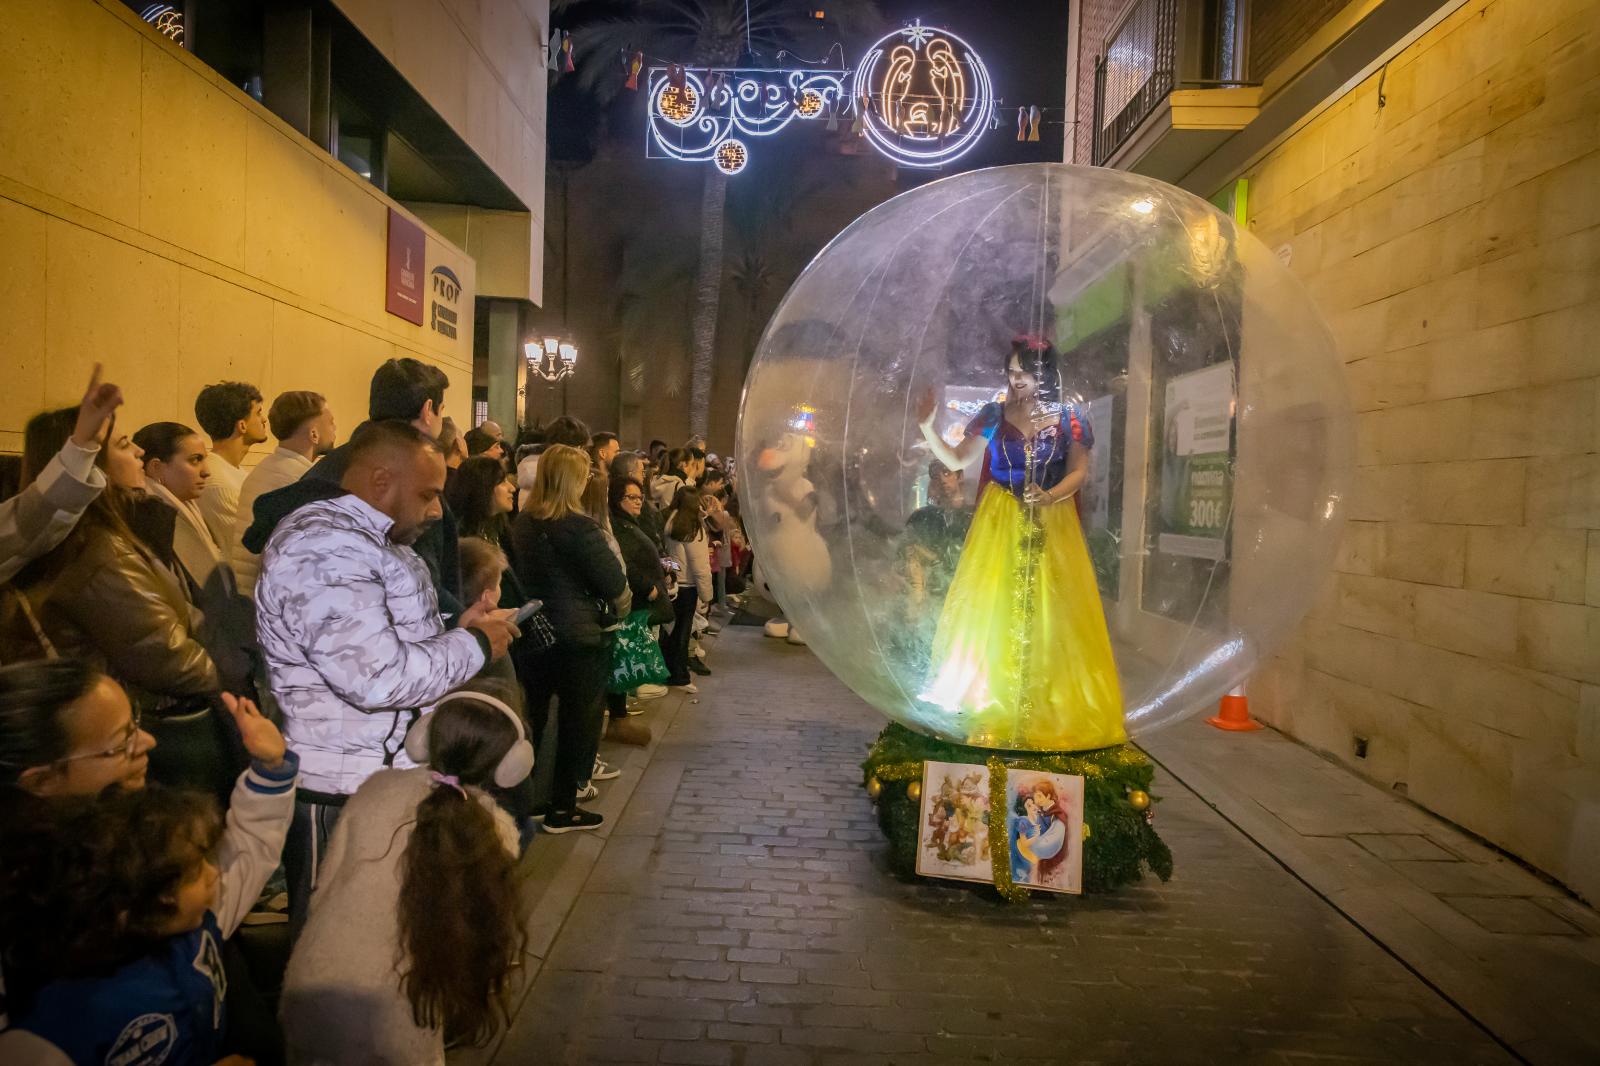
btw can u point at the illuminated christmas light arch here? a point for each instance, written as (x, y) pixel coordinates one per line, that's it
(733, 104)
(927, 96)
(921, 96)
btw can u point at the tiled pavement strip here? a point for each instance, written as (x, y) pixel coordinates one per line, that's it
(736, 910)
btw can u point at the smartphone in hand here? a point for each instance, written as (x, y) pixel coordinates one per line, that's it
(527, 611)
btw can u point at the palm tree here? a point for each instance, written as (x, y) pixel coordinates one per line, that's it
(705, 33)
(762, 214)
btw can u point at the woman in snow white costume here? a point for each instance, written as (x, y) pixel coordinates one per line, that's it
(1021, 653)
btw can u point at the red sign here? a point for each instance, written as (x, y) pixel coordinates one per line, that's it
(407, 246)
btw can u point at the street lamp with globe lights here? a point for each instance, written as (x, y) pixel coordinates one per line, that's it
(553, 359)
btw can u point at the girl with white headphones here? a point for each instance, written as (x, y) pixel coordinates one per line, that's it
(414, 926)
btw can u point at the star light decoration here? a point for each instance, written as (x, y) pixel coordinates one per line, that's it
(921, 97)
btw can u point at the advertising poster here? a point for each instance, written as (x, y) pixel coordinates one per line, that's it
(1196, 464)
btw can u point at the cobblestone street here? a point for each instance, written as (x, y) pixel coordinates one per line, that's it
(741, 912)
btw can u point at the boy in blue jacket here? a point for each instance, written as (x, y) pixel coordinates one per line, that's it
(113, 910)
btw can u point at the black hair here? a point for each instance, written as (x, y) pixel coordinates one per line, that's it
(33, 698)
(1038, 357)
(657, 443)
(601, 439)
(479, 440)
(697, 454)
(159, 440)
(619, 488)
(567, 430)
(471, 496)
(220, 408)
(401, 386)
(685, 523)
(389, 433)
(89, 882)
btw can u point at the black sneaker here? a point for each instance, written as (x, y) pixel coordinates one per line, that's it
(698, 667)
(572, 821)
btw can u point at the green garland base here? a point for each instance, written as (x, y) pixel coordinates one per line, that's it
(1122, 841)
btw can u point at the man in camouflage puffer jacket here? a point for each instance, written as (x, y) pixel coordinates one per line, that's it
(349, 624)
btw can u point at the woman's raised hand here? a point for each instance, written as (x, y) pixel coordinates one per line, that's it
(926, 407)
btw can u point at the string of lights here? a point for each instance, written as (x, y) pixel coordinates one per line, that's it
(920, 96)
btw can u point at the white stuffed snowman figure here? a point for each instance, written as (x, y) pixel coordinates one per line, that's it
(792, 545)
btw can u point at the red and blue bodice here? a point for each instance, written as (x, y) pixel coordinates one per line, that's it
(1007, 462)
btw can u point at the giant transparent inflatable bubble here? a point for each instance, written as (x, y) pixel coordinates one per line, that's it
(1153, 509)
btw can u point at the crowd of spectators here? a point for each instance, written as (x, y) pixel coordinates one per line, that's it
(309, 687)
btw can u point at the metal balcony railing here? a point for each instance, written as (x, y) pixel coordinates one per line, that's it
(1136, 71)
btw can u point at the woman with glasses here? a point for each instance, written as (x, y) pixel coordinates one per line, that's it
(68, 730)
(646, 577)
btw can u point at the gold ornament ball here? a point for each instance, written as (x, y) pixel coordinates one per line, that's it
(1086, 830)
(914, 791)
(731, 156)
(874, 787)
(810, 104)
(1138, 799)
(678, 104)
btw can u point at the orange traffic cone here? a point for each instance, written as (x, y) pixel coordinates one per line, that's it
(1234, 713)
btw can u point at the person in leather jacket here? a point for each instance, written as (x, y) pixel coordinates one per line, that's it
(102, 595)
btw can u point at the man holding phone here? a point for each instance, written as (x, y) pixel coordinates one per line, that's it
(349, 624)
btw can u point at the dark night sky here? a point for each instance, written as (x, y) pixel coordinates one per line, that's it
(1024, 45)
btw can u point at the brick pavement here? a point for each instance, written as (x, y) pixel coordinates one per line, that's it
(741, 913)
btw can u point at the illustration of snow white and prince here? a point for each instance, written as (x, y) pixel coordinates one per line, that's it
(1038, 829)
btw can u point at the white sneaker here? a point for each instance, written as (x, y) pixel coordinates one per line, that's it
(603, 771)
(652, 692)
(588, 791)
(778, 629)
(691, 688)
(794, 636)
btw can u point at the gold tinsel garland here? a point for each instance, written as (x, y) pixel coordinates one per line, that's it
(1116, 804)
(999, 844)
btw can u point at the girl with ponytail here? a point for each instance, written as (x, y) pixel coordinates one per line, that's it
(415, 926)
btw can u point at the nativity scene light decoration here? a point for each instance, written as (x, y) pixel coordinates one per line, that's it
(925, 96)
(920, 96)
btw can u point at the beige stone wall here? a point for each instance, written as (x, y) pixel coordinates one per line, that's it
(158, 220)
(1097, 17)
(1452, 237)
(481, 65)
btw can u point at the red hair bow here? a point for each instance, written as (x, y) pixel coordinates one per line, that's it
(1032, 341)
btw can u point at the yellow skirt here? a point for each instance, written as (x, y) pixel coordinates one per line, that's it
(1021, 658)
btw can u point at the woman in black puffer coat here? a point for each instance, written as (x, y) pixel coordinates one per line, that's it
(561, 557)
